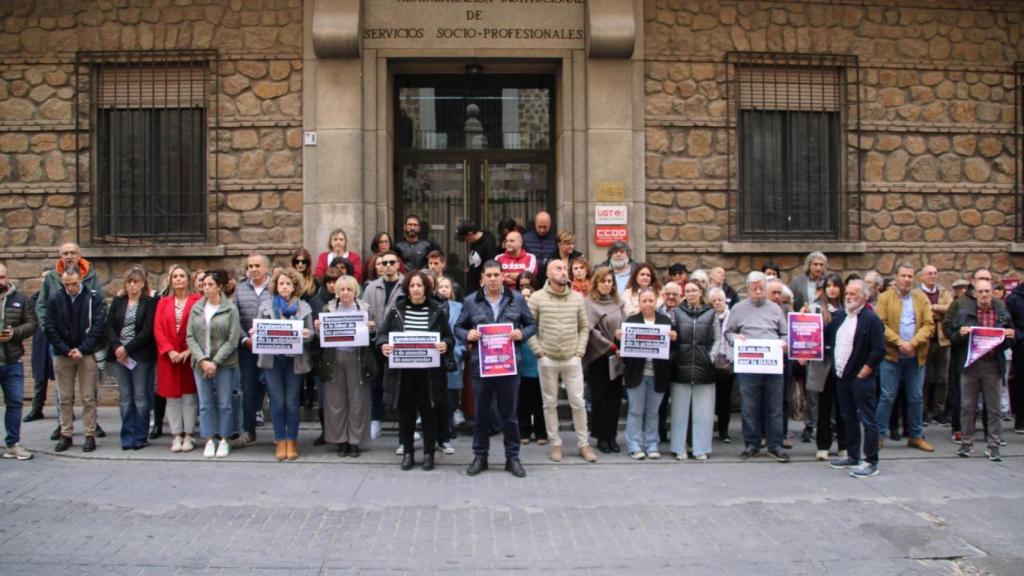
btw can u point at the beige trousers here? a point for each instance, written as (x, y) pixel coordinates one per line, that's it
(571, 372)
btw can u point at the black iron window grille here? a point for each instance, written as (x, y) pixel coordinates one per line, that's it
(1018, 142)
(150, 118)
(790, 116)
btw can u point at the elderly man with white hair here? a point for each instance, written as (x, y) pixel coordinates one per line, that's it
(760, 394)
(805, 286)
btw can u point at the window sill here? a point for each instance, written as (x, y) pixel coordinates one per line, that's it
(192, 251)
(794, 247)
(1016, 248)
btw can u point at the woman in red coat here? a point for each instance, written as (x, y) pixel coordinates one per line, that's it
(174, 377)
(337, 248)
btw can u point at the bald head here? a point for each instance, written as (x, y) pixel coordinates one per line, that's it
(542, 223)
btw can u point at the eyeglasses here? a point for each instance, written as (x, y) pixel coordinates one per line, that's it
(300, 261)
(389, 262)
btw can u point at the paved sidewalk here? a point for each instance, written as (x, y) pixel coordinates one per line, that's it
(152, 512)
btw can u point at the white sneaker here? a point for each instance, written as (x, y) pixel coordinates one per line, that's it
(458, 418)
(176, 444)
(400, 450)
(374, 429)
(188, 445)
(447, 448)
(211, 448)
(682, 456)
(655, 455)
(223, 449)
(821, 455)
(701, 457)
(416, 437)
(19, 452)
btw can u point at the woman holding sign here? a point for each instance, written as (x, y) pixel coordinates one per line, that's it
(605, 315)
(694, 374)
(285, 372)
(346, 373)
(418, 388)
(646, 382)
(212, 336)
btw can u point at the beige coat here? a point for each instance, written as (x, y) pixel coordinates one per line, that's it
(562, 329)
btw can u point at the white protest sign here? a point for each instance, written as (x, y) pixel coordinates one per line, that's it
(344, 330)
(645, 341)
(414, 350)
(277, 336)
(754, 356)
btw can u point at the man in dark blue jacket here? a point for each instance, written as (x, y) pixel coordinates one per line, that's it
(1015, 304)
(75, 322)
(17, 322)
(493, 304)
(856, 339)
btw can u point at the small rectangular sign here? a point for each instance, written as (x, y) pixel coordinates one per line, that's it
(610, 214)
(344, 330)
(645, 341)
(414, 350)
(277, 336)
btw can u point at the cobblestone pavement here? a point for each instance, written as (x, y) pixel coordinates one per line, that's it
(150, 512)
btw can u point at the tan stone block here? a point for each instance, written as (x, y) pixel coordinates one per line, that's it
(656, 139)
(50, 216)
(676, 217)
(872, 234)
(913, 201)
(659, 198)
(652, 165)
(891, 97)
(985, 202)
(703, 71)
(281, 164)
(932, 78)
(234, 84)
(679, 168)
(716, 200)
(268, 90)
(924, 169)
(883, 220)
(950, 167)
(874, 167)
(60, 200)
(292, 201)
(990, 146)
(699, 143)
(242, 201)
(271, 139)
(994, 218)
(43, 143)
(5, 167)
(293, 138)
(915, 145)
(934, 235)
(896, 166)
(18, 219)
(248, 104)
(965, 144)
(927, 220)
(667, 233)
(948, 218)
(252, 68)
(938, 145)
(244, 139)
(656, 215)
(933, 112)
(688, 199)
(251, 164)
(54, 167)
(977, 170)
(29, 168)
(14, 109)
(962, 112)
(690, 233)
(11, 142)
(700, 214)
(227, 166)
(888, 142)
(290, 104)
(963, 201)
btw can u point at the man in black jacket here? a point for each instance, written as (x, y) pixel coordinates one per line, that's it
(856, 339)
(18, 321)
(75, 321)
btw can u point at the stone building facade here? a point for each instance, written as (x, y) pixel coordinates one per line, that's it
(931, 124)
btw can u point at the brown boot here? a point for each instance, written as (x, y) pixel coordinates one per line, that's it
(280, 450)
(556, 454)
(920, 444)
(588, 453)
(293, 449)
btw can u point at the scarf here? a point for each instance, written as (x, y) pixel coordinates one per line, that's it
(284, 310)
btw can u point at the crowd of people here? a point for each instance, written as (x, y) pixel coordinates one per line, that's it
(182, 353)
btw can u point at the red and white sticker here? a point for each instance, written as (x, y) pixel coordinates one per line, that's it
(608, 235)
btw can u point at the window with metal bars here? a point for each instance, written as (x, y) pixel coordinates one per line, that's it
(790, 144)
(150, 124)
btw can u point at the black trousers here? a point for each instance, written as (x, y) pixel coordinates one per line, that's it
(723, 400)
(605, 400)
(160, 409)
(413, 399)
(828, 408)
(531, 409)
(504, 390)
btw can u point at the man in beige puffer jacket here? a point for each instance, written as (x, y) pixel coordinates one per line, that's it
(559, 345)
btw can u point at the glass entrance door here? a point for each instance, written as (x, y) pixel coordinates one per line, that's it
(476, 148)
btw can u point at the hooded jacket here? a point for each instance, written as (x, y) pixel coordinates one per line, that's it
(696, 328)
(52, 284)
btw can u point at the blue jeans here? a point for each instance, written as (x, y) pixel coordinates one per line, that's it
(761, 409)
(284, 386)
(858, 406)
(642, 417)
(12, 381)
(133, 399)
(907, 373)
(701, 397)
(215, 412)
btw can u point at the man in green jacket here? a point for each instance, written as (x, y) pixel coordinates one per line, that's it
(559, 345)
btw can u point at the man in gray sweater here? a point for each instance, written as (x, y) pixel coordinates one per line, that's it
(248, 296)
(761, 395)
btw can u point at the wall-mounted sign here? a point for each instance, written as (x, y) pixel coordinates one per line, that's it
(309, 137)
(611, 192)
(610, 214)
(608, 235)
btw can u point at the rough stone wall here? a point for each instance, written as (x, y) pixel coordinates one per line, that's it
(937, 152)
(255, 156)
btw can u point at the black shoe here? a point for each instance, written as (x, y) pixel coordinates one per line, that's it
(33, 416)
(319, 440)
(895, 436)
(603, 446)
(407, 461)
(156, 432)
(344, 449)
(725, 438)
(63, 443)
(748, 453)
(780, 455)
(100, 433)
(479, 465)
(56, 434)
(428, 461)
(90, 444)
(353, 451)
(614, 446)
(808, 435)
(140, 446)
(515, 468)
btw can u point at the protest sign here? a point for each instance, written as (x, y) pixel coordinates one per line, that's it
(414, 350)
(982, 341)
(497, 350)
(645, 341)
(344, 330)
(277, 336)
(806, 336)
(757, 356)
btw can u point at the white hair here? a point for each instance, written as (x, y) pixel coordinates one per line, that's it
(754, 277)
